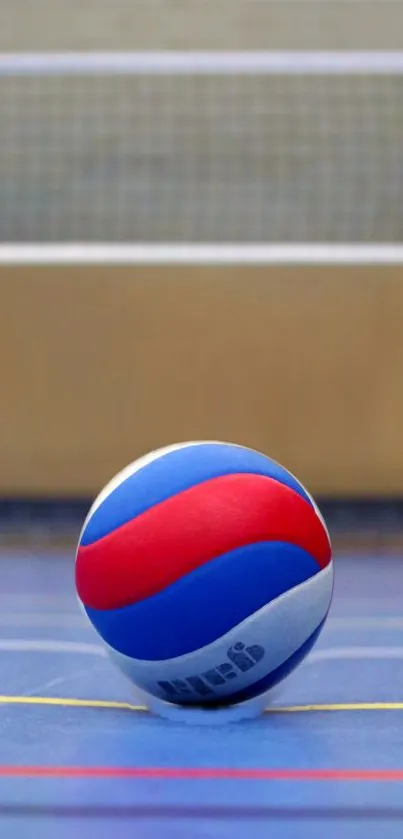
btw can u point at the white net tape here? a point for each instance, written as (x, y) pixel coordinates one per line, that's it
(193, 149)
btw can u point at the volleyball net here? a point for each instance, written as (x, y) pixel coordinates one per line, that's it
(251, 156)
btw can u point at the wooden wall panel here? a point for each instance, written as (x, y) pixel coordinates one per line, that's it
(99, 365)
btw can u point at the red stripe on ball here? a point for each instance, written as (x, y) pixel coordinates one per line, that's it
(149, 553)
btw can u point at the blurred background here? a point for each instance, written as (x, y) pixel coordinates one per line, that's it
(201, 253)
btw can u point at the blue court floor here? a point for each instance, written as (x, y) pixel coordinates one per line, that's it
(76, 761)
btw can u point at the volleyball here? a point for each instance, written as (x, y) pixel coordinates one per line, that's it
(206, 569)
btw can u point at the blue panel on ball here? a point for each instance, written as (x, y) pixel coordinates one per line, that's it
(276, 676)
(207, 603)
(175, 472)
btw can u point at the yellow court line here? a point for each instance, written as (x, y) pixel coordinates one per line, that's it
(126, 706)
(348, 706)
(69, 703)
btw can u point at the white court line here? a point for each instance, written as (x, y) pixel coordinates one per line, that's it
(68, 677)
(78, 621)
(47, 602)
(365, 623)
(355, 653)
(51, 619)
(75, 647)
(11, 645)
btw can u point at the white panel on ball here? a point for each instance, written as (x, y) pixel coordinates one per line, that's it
(280, 628)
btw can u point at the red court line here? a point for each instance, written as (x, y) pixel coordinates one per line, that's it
(209, 774)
